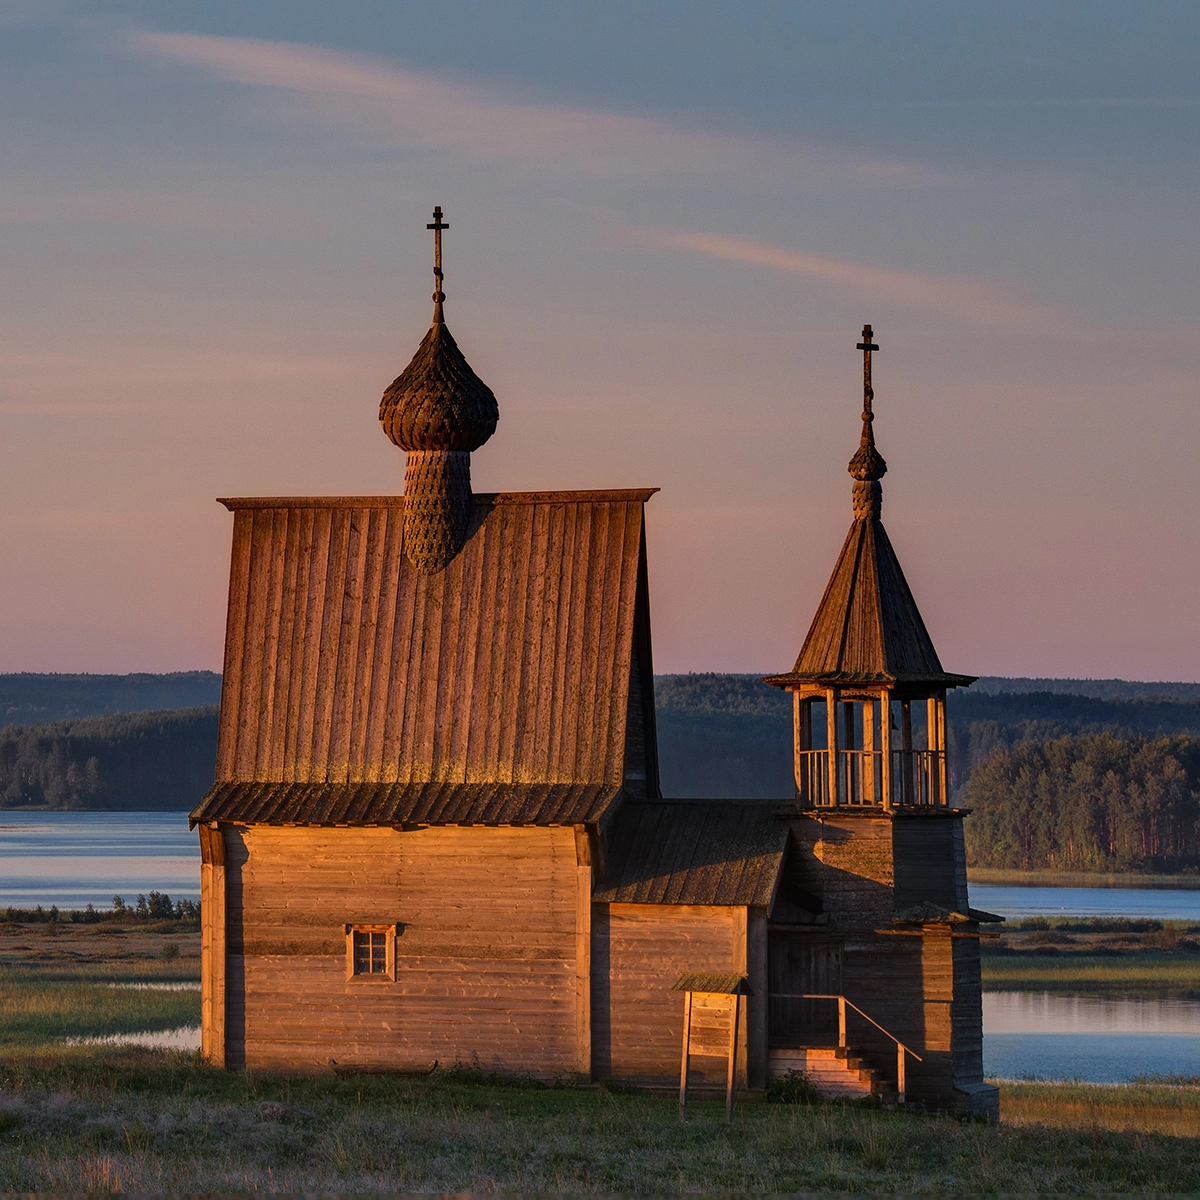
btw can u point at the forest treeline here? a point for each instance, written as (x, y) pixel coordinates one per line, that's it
(131, 761)
(1090, 802)
(1104, 782)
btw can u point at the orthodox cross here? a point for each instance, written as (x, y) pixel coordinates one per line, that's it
(866, 346)
(437, 226)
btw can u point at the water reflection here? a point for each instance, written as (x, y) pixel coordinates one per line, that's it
(75, 859)
(1159, 904)
(1041, 1035)
(186, 1037)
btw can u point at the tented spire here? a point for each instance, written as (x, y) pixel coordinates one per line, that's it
(868, 627)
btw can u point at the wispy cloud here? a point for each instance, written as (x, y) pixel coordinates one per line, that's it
(418, 110)
(973, 300)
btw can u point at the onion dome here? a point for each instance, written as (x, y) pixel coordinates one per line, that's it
(438, 410)
(438, 402)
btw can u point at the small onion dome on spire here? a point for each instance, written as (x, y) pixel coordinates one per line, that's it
(867, 467)
(438, 411)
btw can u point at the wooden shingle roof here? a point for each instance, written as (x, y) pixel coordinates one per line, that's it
(359, 690)
(695, 852)
(867, 628)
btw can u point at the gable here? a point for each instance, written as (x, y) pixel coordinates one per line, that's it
(344, 665)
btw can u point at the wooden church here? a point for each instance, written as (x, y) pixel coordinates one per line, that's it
(437, 835)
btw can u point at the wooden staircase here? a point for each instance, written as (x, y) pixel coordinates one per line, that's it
(835, 1071)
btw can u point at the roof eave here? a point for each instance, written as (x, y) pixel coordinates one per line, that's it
(793, 679)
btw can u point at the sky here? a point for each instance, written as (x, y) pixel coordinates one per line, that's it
(669, 221)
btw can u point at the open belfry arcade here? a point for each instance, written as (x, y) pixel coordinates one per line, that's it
(437, 834)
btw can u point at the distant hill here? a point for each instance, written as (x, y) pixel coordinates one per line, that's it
(131, 761)
(27, 699)
(720, 735)
(1097, 689)
(729, 736)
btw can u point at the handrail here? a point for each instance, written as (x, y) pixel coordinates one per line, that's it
(843, 1000)
(901, 1048)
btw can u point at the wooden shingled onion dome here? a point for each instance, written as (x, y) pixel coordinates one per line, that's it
(438, 410)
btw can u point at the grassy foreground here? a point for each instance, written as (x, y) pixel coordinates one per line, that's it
(151, 1121)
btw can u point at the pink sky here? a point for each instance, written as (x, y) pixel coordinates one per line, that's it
(211, 303)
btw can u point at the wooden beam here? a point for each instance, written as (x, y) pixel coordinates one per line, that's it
(583, 955)
(687, 1040)
(731, 1074)
(831, 742)
(885, 745)
(212, 944)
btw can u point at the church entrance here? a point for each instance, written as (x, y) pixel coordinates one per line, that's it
(799, 965)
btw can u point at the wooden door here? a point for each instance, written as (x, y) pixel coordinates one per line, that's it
(799, 964)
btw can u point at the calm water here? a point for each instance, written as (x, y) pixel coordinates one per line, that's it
(1082, 1037)
(76, 859)
(1016, 902)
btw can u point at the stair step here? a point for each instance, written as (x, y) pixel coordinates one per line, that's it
(834, 1071)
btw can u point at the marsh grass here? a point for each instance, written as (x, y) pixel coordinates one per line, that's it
(1148, 1107)
(144, 1121)
(1142, 974)
(42, 1004)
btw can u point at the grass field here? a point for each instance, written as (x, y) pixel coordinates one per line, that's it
(1144, 974)
(151, 1121)
(99, 1118)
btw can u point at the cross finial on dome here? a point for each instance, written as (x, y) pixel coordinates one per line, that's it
(438, 295)
(867, 467)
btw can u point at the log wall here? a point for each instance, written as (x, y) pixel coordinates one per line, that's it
(638, 952)
(490, 966)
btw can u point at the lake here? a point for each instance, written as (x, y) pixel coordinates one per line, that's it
(1046, 1036)
(76, 859)
(1159, 904)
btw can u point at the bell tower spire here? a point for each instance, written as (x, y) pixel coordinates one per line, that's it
(867, 467)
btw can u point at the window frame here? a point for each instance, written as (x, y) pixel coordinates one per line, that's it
(388, 975)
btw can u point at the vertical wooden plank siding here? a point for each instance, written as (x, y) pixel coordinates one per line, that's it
(212, 946)
(638, 952)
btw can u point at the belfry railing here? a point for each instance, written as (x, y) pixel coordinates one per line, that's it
(917, 778)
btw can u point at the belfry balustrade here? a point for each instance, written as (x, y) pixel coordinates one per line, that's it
(866, 767)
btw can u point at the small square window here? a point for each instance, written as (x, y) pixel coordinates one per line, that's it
(370, 951)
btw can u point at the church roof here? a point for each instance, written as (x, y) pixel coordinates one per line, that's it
(868, 628)
(695, 852)
(419, 803)
(358, 689)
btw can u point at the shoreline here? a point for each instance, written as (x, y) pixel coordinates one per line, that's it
(1081, 879)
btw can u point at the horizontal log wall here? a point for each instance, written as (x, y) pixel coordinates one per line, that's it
(930, 862)
(638, 952)
(486, 963)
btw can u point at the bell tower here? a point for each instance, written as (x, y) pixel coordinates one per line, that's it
(873, 910)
